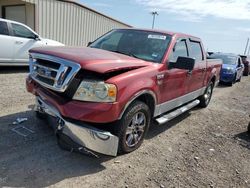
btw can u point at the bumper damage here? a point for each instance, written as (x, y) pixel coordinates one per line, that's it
(84, 135)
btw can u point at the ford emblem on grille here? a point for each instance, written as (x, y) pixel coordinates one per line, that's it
(44, 71)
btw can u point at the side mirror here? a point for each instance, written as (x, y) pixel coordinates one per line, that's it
(89, 43)
(185, 63)
(36, 37)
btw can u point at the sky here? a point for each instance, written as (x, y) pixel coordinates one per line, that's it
(223, 25)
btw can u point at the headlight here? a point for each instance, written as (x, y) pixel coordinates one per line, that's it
(96, 92)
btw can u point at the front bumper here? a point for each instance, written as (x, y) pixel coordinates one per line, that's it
(225, 77)
(87, 136)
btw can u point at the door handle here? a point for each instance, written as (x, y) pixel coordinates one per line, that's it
(19, 42)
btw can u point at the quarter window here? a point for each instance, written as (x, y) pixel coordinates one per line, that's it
(21, 31)
(196, 51)
(180, 49)
(3, 28)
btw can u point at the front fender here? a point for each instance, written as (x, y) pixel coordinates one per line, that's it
(133, 84)
(130, 90)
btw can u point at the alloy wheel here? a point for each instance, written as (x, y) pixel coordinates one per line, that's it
(135, 129)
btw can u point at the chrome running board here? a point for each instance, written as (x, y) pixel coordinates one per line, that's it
(169, 116)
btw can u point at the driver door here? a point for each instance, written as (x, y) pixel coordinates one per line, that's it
(24, 40)
(175, 81)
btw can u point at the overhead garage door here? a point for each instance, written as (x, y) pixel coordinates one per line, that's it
(16, 13)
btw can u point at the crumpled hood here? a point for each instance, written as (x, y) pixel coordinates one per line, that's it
(92, 59)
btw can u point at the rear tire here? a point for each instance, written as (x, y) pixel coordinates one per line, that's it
(132, 128)
(206, 97)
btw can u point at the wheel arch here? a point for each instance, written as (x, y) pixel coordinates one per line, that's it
(146, 96)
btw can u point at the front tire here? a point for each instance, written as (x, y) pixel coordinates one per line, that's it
(233, 81)
(240, 78)
(132, 128)
(206, 97)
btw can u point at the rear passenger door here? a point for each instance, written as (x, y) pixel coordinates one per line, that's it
(6, 43)
(197, 76)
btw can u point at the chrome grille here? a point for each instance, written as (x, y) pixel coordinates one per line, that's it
(52, 72)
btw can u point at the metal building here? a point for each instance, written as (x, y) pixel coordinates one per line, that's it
(66, 21)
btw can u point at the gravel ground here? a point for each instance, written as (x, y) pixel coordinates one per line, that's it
(201, 148)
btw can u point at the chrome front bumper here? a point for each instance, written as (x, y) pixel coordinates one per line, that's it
(87, 136)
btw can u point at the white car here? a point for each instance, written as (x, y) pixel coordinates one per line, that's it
(16, 40)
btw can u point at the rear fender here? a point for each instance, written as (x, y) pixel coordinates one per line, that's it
(214, 74)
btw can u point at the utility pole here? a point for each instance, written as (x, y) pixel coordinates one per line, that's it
(248, 50)
(154, 14)
(246, 47)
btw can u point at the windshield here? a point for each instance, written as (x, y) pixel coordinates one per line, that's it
(145, 45)
(227, 59)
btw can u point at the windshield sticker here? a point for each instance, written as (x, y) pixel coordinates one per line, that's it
(154, 55)
(161, 37)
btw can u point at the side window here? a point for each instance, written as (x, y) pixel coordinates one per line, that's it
(180, 49)
(239, 62)
(21, 31)
(196, 51)
(4, 28)
(112, 42)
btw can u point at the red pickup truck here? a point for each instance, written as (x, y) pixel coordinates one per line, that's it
(105, 96)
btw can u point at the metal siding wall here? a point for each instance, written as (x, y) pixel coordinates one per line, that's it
(71, 24)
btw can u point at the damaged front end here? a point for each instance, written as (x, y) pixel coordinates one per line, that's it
(86, 137)
(54, 79)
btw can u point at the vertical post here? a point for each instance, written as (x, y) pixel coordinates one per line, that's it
(153, 21)
(154, 14)
(246, 46)
(248, 50)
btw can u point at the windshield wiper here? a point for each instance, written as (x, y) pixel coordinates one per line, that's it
(133, 55)
(130, 54)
